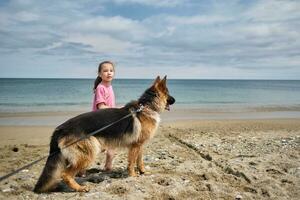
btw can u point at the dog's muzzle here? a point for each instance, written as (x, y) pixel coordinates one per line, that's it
(170, 101)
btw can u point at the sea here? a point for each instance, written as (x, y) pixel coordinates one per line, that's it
(19, 95)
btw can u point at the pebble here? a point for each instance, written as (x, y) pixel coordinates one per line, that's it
(8, 190)
(238, 197)
(15, 149)
(93, 194)
(186, 181)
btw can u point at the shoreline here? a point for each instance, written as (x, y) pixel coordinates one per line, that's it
(55, 118)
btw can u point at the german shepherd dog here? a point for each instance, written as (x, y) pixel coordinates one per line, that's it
(131, 132)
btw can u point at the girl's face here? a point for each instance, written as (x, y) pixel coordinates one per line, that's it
(107, 72)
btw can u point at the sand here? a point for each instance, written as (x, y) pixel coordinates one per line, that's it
(190, 159)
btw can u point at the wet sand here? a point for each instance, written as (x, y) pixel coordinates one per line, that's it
(188, 159)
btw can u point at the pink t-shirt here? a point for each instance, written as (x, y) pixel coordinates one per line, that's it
(104, 94)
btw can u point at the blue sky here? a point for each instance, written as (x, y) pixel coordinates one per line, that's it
(180, 38)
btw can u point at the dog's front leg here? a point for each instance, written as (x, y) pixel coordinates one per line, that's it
(140, 162)
(132, 158)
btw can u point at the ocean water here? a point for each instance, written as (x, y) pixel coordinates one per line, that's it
(39, 95)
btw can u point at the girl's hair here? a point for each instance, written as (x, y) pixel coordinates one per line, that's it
(99, 79)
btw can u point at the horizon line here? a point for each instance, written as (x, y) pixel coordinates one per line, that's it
(238, 79)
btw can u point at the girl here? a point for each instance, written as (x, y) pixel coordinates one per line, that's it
(104, 98)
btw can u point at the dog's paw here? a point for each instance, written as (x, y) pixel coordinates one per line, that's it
(146, 173)
(133, 174)
(83, 189)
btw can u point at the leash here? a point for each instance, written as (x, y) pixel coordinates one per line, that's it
(141, 107)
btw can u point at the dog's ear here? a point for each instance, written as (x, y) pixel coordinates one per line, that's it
(163, 82)
(156, 81)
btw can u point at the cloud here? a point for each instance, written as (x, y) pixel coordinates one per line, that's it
(274, 10)
(24, 16)
(115, 26)
(198, 20)
(245, 39)
(233, 38)
(156, 3)
(103, 43)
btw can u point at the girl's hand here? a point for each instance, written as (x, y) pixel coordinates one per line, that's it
(101, 106)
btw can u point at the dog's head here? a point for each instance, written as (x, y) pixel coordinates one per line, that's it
(157, 96)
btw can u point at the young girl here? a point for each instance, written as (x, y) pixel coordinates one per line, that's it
(104, 98)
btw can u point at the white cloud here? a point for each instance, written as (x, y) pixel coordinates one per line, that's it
(198, 19)
(105, 44)
(51, 46)
(213, 40)
(116, 26)
(274, 10)
(260, 30)
(156, 3)
(25, 16)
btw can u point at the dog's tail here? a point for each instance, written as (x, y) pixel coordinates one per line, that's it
(51, 174)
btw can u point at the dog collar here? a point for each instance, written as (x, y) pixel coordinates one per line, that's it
(140, 108)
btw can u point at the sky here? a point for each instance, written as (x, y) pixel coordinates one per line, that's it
(185, 39)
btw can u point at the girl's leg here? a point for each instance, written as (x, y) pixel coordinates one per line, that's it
(110, 152)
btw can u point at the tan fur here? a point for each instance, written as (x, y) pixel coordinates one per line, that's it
(82, 153)
(127, 139)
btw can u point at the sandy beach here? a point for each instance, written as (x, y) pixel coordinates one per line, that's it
(229, 157)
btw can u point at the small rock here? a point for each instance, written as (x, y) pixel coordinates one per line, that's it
(209, 187)
(204, 177)
(8, 190)
(96, 179)
(265, 192)
(252, 163)
(238, 197)
(15, 149)
(186, 181)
